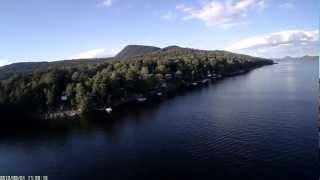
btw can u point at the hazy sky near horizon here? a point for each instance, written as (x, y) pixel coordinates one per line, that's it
(46, 30)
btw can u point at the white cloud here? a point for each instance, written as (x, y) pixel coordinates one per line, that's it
(261, 5)
(106, 3)
(222, 14)
(4, 62)
(169, 16)
(94, 53)
(287, 5)
(284, 43)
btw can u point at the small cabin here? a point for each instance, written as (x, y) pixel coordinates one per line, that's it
(64, 98)
(164, 85)
(168, 76)
(178, 74)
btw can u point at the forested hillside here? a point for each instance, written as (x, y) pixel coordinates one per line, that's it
(89, 86)
(134, 50)
(25, 68)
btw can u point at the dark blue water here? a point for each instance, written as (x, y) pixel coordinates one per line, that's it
(261, 125)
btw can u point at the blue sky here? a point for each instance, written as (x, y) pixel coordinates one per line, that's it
(46, 30)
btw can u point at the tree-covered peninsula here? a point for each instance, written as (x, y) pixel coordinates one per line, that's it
(135, 73)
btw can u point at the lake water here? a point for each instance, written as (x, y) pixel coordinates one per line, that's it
(261, 125)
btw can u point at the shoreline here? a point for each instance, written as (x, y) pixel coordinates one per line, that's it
(150, 97)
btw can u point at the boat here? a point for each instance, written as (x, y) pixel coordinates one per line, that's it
(108, 110)
(159, 94)
(205, 81)
(142, 99)
(213, 77)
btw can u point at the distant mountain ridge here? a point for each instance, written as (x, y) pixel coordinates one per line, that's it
(306, 57)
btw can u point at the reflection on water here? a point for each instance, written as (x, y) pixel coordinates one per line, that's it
(257, 126)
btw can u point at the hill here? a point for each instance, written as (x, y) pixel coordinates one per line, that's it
(25, 68)
(134, 50)
(17, 68)
(129, 52)
(91, 84)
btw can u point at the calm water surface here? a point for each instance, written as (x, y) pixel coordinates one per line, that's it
(261, 125)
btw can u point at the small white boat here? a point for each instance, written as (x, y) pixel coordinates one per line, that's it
(141, 99)
(205, 81)
(159, 94)
(195, 84)
(108, 110)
